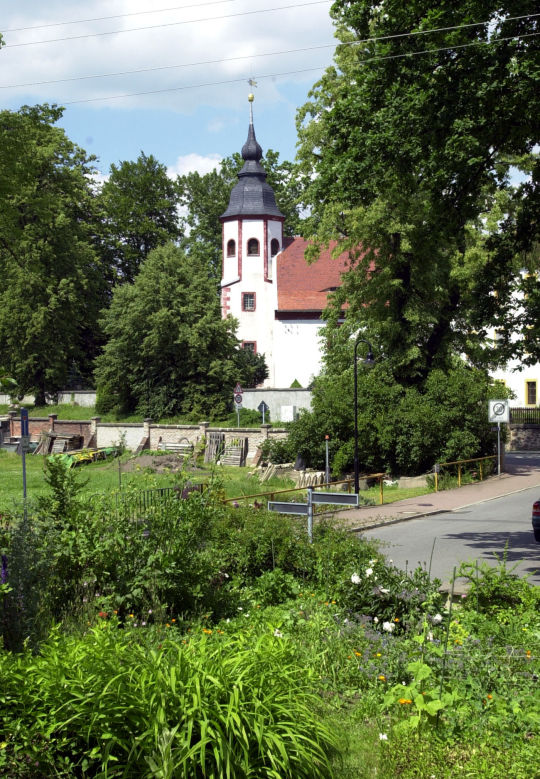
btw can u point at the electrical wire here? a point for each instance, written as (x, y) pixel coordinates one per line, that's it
(251, 56)
(168, 24)
(297, 72)
(116, 16)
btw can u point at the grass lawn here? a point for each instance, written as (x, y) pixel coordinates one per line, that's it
(248, 418)
(105, 477)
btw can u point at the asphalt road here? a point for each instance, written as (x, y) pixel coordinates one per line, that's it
(474, 532)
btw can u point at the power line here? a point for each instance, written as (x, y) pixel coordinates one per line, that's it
(116, 16)
(303, 70)
(168, 24)
(251, 56)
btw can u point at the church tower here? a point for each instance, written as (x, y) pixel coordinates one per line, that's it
(252, 235)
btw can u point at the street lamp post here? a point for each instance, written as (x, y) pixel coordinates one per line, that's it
(367, 361)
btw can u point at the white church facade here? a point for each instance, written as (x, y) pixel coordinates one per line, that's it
(278, 298)
(267, 285)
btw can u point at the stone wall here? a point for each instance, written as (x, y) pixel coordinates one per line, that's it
(135, 434)
(524, 437)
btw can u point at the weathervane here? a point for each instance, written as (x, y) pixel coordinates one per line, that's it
(251, 98)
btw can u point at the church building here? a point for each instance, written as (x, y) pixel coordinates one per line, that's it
(267, 285)
(278, 299)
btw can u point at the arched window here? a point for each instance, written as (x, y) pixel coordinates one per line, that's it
(253, 248)
(274, 247)
(231, 248)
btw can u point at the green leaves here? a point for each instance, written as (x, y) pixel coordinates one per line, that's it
(404, 156)
(168, 350)
(220, 707)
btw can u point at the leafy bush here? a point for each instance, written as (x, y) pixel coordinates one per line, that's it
(122, 703)
(401, 429)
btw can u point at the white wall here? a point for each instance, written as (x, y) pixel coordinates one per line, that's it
(111, 435)
(297, 351)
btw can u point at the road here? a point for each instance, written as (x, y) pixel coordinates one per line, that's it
(465, 534)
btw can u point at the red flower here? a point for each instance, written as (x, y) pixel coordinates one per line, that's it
(103, 614)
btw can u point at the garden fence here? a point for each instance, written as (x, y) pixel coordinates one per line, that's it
(525, 415)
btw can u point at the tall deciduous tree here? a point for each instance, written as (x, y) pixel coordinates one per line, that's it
(405, 144)
(169, 351)
(139, 212)
(52, 281)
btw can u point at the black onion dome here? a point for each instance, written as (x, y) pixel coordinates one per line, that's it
(252, 196)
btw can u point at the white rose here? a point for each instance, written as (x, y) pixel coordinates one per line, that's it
(355, 579)
(388, 626)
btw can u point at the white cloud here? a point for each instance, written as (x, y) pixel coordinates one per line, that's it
(209, 40)
(189, 163)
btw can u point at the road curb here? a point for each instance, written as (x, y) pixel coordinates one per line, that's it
(420, 515)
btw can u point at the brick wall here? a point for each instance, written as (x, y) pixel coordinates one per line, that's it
(38, 425)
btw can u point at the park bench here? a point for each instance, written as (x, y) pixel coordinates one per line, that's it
(184, 449)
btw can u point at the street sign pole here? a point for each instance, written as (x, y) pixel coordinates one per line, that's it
(310, 514)
(498, 448)
(327, 474)
(238, 401)
(24, 444)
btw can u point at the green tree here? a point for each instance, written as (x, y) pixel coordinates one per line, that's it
(205, 198)
(168, 350)
(139, 212)
(404, 144)
(53, 284)
(401, 429)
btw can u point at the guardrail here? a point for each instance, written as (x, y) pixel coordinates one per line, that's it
(459, 463)
(325, 485)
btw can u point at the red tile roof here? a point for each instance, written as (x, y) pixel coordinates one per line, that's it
(303, 287)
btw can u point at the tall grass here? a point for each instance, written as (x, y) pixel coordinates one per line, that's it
(124, 703)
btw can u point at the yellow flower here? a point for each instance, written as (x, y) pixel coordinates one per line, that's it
(333, 601)
(382, 677)
(131, 616)
(378, 654)
(207, 631)
(490, 696)
(3, 744)
(358, 654)
(173, 620)
(528, 653)
(405, 701)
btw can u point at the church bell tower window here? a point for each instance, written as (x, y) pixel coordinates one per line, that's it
(231, 248)
(274, 247)
(253, 248)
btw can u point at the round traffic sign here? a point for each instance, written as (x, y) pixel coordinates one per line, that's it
(238, 398)
(499, 409)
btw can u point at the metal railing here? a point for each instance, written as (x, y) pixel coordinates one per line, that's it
(325, 485)
(460, 463)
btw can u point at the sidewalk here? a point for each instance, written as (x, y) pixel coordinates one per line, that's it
(519, 475)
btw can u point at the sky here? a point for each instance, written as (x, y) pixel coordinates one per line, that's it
(188, 104)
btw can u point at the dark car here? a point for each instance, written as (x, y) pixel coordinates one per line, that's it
(536, 520)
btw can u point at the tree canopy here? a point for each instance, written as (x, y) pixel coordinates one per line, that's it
(138, 213)
(168, 350)
(53, 283)
(407, 145)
